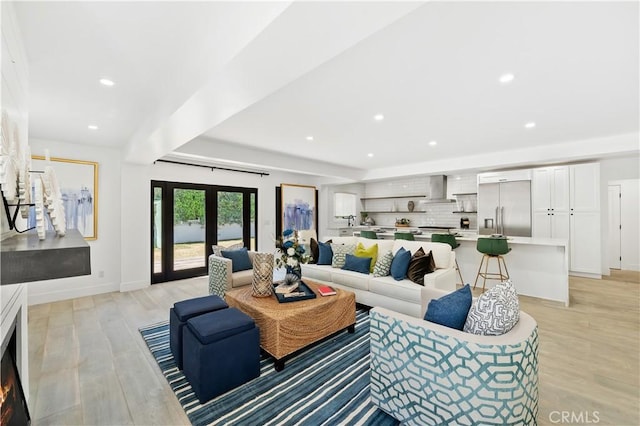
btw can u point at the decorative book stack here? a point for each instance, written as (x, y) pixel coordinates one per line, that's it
(286, 288)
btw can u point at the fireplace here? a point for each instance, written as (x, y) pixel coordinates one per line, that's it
(13, 404)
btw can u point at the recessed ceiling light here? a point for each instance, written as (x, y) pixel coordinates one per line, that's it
(506, 78)
(378, 117)
(530, 125)
(106, 82)
(309, 138)
(433, 143)
(370, 154)
(92, 127)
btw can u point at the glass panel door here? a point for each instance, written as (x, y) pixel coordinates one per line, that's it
(189, 228)
(187, 219)
(156, 226)
(230, 218)
(252, 223)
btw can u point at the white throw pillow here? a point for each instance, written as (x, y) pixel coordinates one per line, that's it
(217, 250)
(495, 312)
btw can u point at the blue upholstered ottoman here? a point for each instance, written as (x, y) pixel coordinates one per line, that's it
(182, 312)
(221, 350)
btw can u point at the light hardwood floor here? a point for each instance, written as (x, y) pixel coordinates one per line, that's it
(89, 365)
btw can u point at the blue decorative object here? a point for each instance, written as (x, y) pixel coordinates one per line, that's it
(450, 310)
(325, 254)
(240, 260)
(182, 312)
(294, 270)
(357, 264)
(221, 351)
(400, 264)
(291, 252)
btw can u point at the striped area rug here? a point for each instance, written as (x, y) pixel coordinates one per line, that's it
(326, 384)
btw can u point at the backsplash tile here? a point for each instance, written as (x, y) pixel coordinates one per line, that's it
(424, 214)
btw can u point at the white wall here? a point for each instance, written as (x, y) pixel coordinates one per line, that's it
(618, 169)
(105, 257)
(15, 89)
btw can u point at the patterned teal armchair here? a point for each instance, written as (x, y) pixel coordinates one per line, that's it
(426, 374)
(221, 277)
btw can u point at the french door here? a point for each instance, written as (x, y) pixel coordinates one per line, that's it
(187, 219)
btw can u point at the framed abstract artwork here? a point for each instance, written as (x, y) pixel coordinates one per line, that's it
(298, 208)
(78, 182)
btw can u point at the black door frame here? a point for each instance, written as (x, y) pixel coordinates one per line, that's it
(211, 215)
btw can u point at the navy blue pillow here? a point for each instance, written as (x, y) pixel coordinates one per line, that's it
(357, 264)
(240, 260)
(400, 264)
(450, 310)
(325, 254)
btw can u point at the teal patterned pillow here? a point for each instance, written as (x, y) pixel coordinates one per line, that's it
(339, 253)
(383, 265)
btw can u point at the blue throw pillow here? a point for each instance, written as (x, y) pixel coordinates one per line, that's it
(240, 260)
(450, 310)
(357, 264)
(400, 264)
(325, 254)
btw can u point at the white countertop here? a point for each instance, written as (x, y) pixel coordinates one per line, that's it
(469, 235)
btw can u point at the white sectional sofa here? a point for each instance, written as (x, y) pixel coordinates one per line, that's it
(401, 296)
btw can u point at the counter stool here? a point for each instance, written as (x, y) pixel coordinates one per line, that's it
(369, 234)
(492, 248)
(403, 236)
(182, 312)
(451, 240)
(221, 351)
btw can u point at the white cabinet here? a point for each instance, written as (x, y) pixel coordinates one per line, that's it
(585, 241)
(550, 202)
(565, 203)
(585, 187)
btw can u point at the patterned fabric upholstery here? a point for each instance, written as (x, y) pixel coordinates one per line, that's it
(339, 254)
(218, 276)
(426, 374)
(383, 265)
(495, 312)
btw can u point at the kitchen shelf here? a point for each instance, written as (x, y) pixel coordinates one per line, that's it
(390, 197)
(463, 212)
(465, 193)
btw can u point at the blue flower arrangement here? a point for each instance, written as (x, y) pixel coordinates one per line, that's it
(291, 252)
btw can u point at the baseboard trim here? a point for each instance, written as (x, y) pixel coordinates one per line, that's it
(134, 285)
(585, 275)
(69, 293)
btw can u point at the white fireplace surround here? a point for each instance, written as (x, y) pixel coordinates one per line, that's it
(14, 307)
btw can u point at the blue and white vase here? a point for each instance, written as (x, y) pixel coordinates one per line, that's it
(295, 270)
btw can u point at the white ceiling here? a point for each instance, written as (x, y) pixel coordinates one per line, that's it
(205, 77)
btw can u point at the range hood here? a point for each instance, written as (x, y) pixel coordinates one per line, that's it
(437, 189)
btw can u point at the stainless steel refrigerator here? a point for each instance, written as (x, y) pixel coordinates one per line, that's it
(505, 208)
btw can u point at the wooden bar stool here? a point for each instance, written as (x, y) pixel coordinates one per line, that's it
(369, 234)
(403, 236)
(492, 248)
(451, 240)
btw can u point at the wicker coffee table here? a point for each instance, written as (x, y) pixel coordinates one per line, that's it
(288, 327)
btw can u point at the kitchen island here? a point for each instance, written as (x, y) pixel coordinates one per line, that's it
(538, 267)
